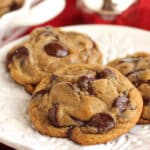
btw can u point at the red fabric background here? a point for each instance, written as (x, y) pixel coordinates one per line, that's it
(138, 15)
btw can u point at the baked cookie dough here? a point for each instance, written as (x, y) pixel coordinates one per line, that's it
(47, 50)
(9, 5)
(136, 68)
(88, 104)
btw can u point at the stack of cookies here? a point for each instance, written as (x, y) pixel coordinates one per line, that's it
(73, 94)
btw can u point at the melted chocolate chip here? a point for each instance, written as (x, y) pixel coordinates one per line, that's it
(52, 115)
(41, 92)
(102, 121)
(84, 83)
(146, 101)
(121, 103)
(130, 60)
(105, 74)
(20, 52)
(56, 49)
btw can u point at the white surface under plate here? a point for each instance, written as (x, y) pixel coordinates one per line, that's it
(15, 127)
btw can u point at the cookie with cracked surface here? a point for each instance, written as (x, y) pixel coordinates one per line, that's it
(88, 104)
(136, 68)
(47, 50)
(10, 5)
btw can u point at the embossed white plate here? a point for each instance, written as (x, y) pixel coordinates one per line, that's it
(15, 127)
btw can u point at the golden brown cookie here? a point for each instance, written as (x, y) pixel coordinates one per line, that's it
(47, 50)
(9, 5)
(88, 104)
(136, 68)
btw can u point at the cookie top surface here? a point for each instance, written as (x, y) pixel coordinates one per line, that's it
(48, 49)
(136, 68)
(86, 103)
(9, 5)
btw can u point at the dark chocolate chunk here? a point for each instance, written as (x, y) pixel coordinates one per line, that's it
(102, 121)
(121, 103)
(52, 115)
(146, 100)
(105, 74)
(56, 49)
(84, 83)
(20, 52)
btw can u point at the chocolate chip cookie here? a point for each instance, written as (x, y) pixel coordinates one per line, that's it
(88, 104)
(136, 68)
(9, 5)
(47, 50)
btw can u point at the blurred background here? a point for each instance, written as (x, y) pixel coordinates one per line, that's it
(134, 13)
(36, 13)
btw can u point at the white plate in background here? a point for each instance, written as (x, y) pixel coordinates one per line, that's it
(29, 15)
(15, 127)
